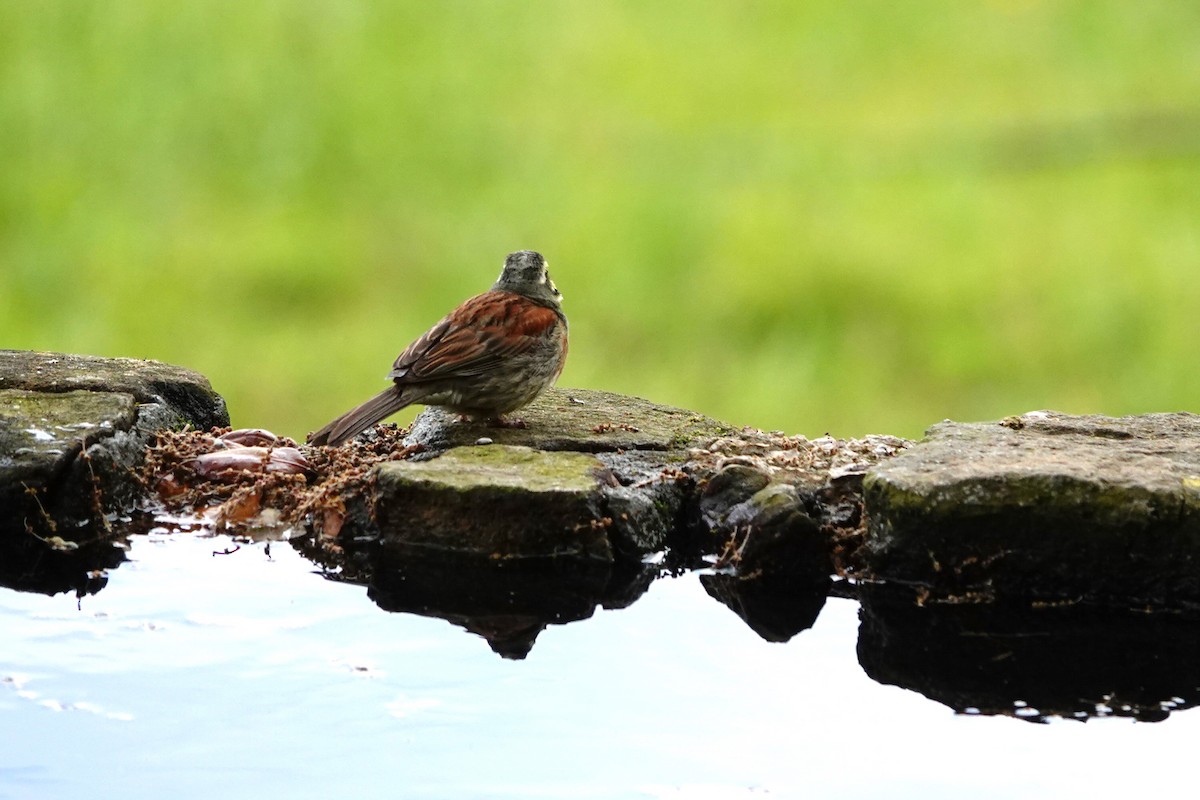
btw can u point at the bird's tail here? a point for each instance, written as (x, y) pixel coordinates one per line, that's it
(359, 418)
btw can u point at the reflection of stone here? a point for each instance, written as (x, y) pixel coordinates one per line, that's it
(50, 565)
(775, 607)
(1071, 661)
(509, 602)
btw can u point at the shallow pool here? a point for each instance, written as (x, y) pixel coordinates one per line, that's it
(197, 672)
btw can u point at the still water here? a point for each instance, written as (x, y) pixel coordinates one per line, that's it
(198, 674)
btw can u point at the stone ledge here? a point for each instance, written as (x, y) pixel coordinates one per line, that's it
(73, 430)
(1043, 505)
(579, 420)
(182, 390)
(498, 501)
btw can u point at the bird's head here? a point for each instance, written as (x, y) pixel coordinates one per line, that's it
(525, 273)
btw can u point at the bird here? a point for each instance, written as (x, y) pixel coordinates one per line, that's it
(493, 354)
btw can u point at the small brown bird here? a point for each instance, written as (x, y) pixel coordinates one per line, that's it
(493, 354)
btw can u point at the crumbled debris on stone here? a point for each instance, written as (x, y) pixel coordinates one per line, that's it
(826, 471)
(777, 454)
(810, 489)
(251, 478)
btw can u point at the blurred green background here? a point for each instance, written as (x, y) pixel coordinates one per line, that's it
(815, 217)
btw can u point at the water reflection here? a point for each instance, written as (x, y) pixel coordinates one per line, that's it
(508, 604)
(53, 565)
(775, 607)
(1032, 663)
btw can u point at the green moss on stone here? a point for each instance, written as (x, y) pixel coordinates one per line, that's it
(39, 431)
(502, 467)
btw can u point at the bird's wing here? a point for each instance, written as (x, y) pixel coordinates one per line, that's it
(475, 338)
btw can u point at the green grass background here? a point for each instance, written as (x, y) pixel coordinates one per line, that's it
(841, 217)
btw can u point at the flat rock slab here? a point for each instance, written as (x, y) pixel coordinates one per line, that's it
(589, 475)
(73, 429)
(184, 391)
(499, 501)
(597, 475)
(1044, 505)
(582, 420)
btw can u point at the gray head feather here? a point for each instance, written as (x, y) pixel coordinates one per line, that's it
(525, 273)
